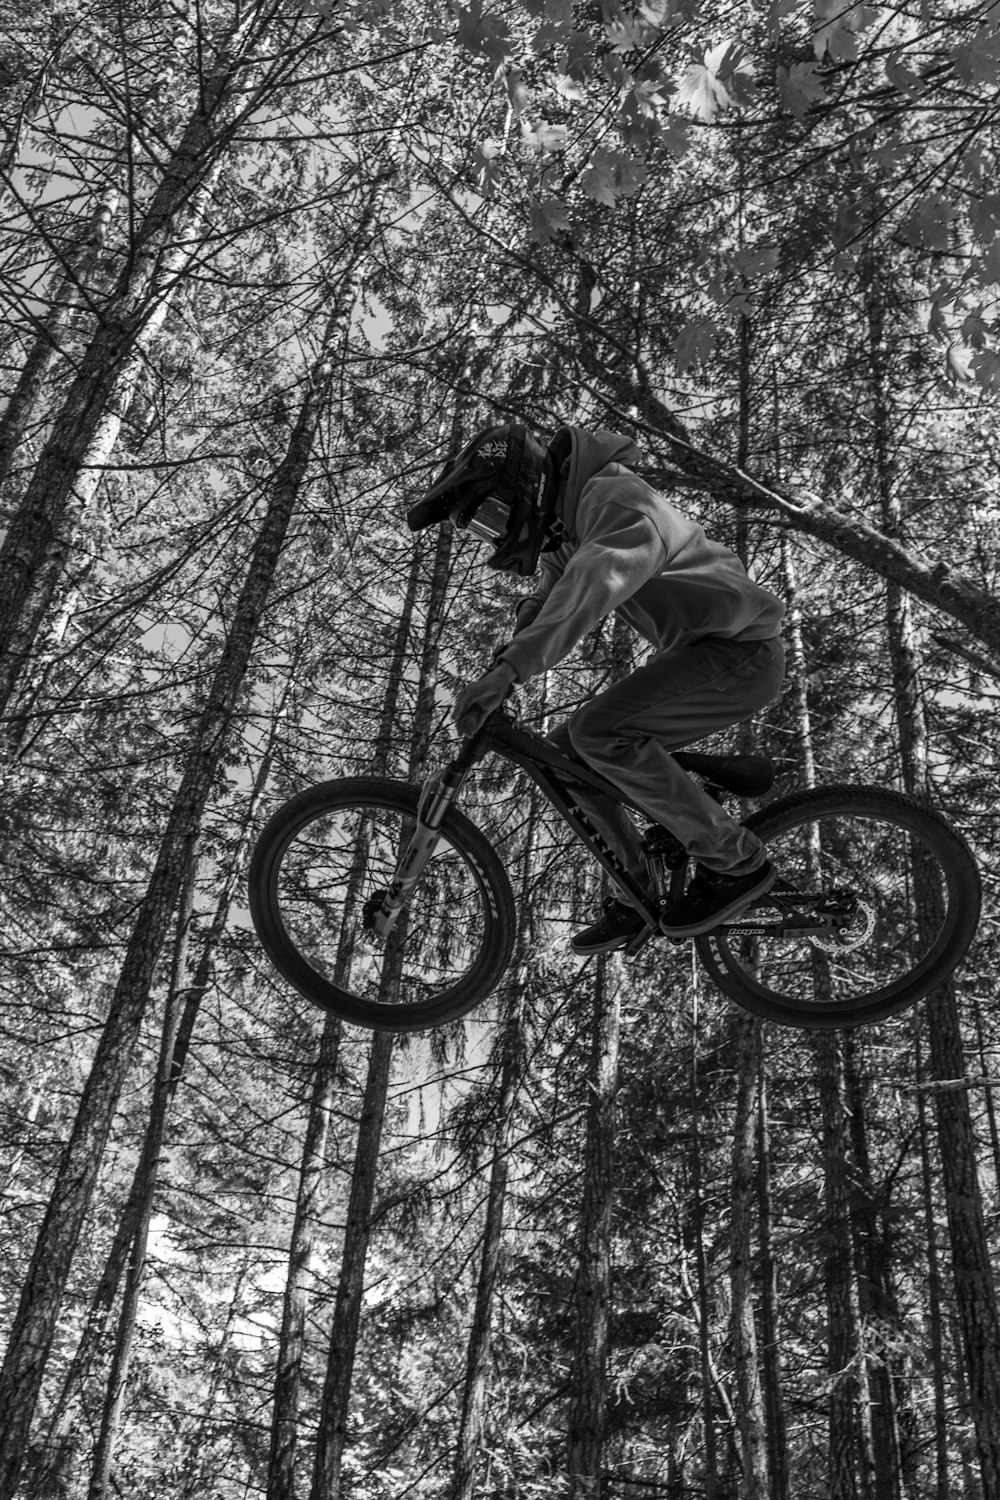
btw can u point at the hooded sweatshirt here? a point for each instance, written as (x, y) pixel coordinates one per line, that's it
(627, 549)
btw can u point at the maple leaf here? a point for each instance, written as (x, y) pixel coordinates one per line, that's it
(985, 367)
(984, 216)
(675, 135)
(928, 227)
(548, 219)
(545, 138)
(569, 87)
(837, 27)
(733, 68)
(987, 266)
(752, 262)
(900, 76)
(659, 13)
(611, 175)
(721, 80)
(849, 219)
(695, 344)
(487, 35)
(975, 331)
(646, 96)
(549, 34)
(627, 34)
(598, 182)
(937, 322)
(578, 59)
(978, 60)
(800, 86)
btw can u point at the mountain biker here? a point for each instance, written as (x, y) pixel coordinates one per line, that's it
(606, 541)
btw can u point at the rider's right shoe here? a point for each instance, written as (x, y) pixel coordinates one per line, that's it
(617, 927)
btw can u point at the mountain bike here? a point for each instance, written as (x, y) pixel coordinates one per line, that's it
(381, 901)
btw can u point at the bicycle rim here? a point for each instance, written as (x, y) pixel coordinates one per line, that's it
(316, 877)
(919, 899)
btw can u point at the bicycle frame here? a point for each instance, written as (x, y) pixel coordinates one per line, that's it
(554, 773)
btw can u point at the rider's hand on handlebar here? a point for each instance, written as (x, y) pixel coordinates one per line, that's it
(478, 699)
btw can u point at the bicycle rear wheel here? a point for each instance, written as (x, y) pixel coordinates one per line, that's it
(918, 901)
(317, 876)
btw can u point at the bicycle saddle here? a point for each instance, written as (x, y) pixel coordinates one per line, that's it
(747, 775)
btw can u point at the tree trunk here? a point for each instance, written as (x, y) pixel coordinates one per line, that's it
(335, 1404)
(149, 1166)
(475, 1390)
(975, 1291)
(332, 1433)
(777, 1433)
(750, 1424)
(592, 1300)
(89, 417)
(44, 1287)
(312, 1171)
(876, 1296)
(64, 299)
(942, 1487)
(474, 1393)
(703, 1307)
(291, 1345)
(59, 1444)
(848, 1452)
(849, 1458)
(749, 1400)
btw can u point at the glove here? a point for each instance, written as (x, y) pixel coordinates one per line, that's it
(478, 699)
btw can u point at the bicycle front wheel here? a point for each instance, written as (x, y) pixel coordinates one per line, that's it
(317, 876)
(915, 891)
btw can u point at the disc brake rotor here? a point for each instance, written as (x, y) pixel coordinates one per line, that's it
(857, 931)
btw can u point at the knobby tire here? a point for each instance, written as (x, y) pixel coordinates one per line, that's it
(921, 882)
(325, 854)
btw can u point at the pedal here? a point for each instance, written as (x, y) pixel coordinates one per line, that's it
(635, 945)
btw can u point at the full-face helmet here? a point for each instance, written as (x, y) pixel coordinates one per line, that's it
(501, 489)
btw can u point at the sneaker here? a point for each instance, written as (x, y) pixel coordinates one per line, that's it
(712, 897)
(618, 926)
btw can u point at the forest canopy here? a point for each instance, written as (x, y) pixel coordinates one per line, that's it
(263, 267)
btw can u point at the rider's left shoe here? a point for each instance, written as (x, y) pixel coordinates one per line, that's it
(615, 929)
(713, 897)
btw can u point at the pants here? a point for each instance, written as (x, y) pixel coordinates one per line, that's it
(627, 733)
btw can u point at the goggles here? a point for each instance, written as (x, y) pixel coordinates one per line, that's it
(488, 522)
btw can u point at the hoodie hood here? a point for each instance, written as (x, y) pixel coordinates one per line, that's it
(578, 454)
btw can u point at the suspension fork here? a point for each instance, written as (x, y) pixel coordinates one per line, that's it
(437, 794)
